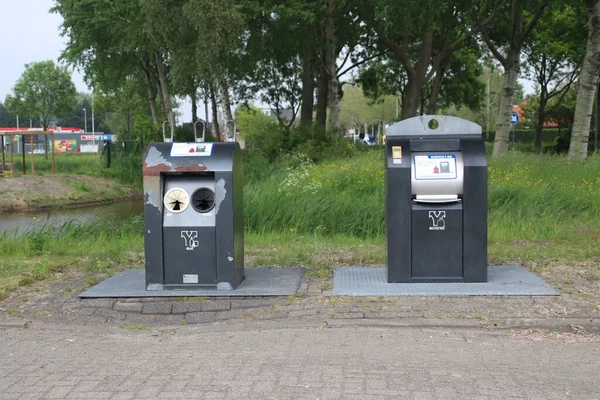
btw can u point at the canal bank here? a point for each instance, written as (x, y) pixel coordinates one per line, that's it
(29, 193)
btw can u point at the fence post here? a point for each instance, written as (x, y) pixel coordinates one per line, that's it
(108, 159)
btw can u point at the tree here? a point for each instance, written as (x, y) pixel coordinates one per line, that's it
(109, 41)
(422, 35)
(554, 54)
(587, 85)
(505, 38)
(44, 91)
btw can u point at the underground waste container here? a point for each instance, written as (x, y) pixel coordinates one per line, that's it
(436, 201)
(193, 216)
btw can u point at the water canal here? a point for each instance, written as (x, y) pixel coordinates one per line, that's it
(23, 222)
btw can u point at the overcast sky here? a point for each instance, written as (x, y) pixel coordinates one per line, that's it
(30, 33)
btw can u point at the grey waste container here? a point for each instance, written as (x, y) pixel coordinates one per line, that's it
(193, 216)
(436, 201)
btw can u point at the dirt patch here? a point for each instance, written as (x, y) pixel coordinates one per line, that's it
(61, 190)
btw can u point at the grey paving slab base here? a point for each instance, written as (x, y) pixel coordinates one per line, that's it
(259, 282)
(504, 280)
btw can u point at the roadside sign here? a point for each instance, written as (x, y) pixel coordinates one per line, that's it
(514, 118)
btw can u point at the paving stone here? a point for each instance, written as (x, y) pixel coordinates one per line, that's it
(199, 317)
(273, 315)
(128, 306)
(231, 314)
(111, 314)
(187, 307)
(246, 303)
(348, 315)
(303, 313)
(98, 303)
(216, 305)
(157, 308)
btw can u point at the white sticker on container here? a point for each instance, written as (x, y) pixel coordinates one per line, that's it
(190, 278)
(435, 166)
(191, 149)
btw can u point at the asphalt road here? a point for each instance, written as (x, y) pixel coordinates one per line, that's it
(301, 362)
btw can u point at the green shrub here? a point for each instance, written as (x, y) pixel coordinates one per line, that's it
(262, 134)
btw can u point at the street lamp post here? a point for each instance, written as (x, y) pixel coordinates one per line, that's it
(85, 120)
(93, 128)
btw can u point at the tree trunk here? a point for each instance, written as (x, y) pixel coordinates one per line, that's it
(215, 117)
(46, 145)
(334, 100)
(435, 92)
(164, 85)
(151, 95)
(308, 96)
(511, 72)
(411, 98)
(541, 117)
(322, 94)
(206, 106)
(588, 83)
(225, 102)
(194, 107)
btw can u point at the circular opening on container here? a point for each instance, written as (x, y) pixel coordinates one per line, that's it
(203, 200)
(433, 124)
(176, 200)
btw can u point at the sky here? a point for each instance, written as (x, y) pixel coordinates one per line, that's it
(30, 33)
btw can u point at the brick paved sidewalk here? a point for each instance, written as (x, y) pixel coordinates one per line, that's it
(199, 362)
(57, 303)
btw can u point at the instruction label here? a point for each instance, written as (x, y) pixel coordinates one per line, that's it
(435, 166)
(191, 149)
(190, 278)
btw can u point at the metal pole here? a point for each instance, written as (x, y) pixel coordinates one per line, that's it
(32, 163)
(23, 152)
(93, 128)
(12, 150)
(3, 156)
(487, 114)
(513, 132)
(597, 119)
(52, 145)
(85, 120)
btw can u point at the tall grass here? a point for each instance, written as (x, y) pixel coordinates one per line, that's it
(125, 168)
(530, 197)
(344, 197)
(99, 247)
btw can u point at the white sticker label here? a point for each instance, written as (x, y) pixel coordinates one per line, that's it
(438, 220)
(191, 239)
(435, 166)
(397, 161)
(190, 278)
(191, 149)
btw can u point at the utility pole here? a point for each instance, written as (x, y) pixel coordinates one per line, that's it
(93, 128)
(85, 120)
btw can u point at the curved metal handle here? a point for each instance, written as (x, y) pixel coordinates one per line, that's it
(231, 138)
(165, 139)
(203, 130)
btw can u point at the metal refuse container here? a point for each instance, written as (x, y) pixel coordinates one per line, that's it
(193, 215)
(436, 201)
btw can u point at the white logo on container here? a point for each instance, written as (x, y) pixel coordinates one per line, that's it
(190, 238)
(438, 220)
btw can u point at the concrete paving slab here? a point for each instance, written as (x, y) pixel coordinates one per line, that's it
(503, 280)
(274, 281)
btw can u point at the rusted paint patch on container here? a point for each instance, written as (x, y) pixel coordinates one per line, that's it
(155, 163)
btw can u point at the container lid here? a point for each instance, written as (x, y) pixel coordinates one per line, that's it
(433, 125)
